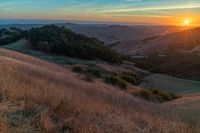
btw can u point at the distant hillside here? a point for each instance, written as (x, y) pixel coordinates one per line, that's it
(179, 42)
(117, 33)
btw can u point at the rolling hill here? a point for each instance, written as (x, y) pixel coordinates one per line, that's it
(179, 42)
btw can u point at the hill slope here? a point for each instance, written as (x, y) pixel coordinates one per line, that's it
(176, 42)
(78, 106)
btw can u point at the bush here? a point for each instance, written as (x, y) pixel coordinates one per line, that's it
(88, 77)
(155, 95)
(78, 69)
(94, 71)
(116, 80)
(131, 77)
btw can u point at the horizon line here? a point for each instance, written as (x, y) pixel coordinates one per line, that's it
(16, 21)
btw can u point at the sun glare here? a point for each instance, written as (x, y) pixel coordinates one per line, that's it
(187, 22)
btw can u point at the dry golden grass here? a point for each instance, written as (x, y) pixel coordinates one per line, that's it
(79, 106)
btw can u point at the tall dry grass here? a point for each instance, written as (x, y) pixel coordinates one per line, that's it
(79, 106)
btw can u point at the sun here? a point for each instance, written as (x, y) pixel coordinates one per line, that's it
(187, 22)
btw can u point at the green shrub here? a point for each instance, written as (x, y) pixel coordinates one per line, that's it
(94, 71)
(116, 80)
(88, 77)
(131, 77)
(78, 69)
(155, 95)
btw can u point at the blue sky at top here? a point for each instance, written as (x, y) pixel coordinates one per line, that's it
(108, 10)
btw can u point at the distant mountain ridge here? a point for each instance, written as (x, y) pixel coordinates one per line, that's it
(109, 33)
(117, 33)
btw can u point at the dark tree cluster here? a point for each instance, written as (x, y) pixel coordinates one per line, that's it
(59, 40)
(11, 35)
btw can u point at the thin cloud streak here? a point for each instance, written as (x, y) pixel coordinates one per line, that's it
(151, 9)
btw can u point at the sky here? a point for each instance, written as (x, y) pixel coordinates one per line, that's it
(158, 12)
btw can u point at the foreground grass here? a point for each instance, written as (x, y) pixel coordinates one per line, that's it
(19, 117)
(82, 107)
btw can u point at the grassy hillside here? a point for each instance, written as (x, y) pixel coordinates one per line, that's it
(162, 82)
(25, 47)
(189, 107)
(171, 84)
(37, 96)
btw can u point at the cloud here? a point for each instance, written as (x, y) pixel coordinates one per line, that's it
(150, 8)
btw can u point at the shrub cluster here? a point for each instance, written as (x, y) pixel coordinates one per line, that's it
(131, 77)
(156, 95)
(78, 69)
(116, 80)
(60, 40)
(91, 71)
(94, 70)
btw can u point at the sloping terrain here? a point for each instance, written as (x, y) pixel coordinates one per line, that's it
(168, 83)
(188, 106)
(183, 41)
(185, 66)
(78, 106)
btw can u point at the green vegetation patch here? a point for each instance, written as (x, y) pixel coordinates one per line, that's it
(92, 71)
(117, 81)
(156, 95)
(131, 77)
